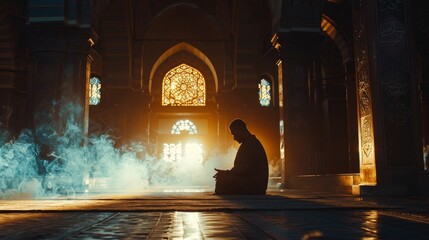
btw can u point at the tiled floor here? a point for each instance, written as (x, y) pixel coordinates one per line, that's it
(286, 215)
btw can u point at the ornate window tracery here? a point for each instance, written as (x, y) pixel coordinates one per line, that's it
(183, 86)
(184, 125)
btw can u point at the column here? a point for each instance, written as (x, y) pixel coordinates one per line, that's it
(299, 41)
(59, 68)
(390, 146)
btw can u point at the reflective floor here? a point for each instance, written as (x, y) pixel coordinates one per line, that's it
(202, 215)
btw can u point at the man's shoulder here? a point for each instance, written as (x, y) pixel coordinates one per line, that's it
(253, 140)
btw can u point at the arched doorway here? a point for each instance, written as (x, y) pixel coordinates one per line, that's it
(183, 117)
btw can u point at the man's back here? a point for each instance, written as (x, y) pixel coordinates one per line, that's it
(251, 165)
(250, 172)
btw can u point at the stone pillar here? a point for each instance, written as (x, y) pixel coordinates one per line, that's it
(390, 146)
(281, 120)
(59, 69)
(301, 111)
(60, 37)
(299, 40)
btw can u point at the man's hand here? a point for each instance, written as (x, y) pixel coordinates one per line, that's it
(218, 173)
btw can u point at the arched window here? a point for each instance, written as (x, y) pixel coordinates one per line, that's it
(94, 91)
(184, 125)
(185, 151)
(264, 93)
(183, 86)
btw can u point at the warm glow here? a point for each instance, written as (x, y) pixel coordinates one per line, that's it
(184, 150)
(183, 86)
(280, 76)
(282, 146)
(194, 151)
(184, 125)
(172, 152)
(188, 225)
(370, 222)
(178, 152)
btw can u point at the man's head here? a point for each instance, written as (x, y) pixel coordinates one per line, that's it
(238, 130)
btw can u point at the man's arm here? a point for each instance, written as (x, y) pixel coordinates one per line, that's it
(219, 173)
(244, 159)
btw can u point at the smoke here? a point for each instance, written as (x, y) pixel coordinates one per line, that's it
(48, 163)
(18, 167)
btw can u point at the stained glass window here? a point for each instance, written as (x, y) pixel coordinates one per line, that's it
(183, 86)
(264, 93)
(184, 125)
(94, 91)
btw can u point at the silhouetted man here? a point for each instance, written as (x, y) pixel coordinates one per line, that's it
(250, 172)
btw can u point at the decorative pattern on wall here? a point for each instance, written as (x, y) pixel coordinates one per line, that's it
(365, 114)
(395, 82)
(183, 86)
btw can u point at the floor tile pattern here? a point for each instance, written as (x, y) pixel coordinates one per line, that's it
(285, 215)
(319, 224)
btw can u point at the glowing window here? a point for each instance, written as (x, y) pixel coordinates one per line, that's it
(185, 151)
(94, 91)
(172, 152)
(183, 86)
(264, 93)
(184, 125)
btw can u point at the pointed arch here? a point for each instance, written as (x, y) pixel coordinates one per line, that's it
(328, 27)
